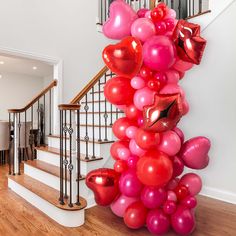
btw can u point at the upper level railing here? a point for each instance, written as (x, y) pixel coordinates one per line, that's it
(29, 126)
(185, 9)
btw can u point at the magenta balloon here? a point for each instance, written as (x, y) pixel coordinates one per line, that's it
(129, 184)
(178, 166)
(120, 204)
(170, 89)
(137, 82)
(160, 27)
(143, 97)
(171, 196)
(190, 202)
(158, 222)
(172, 76)
(195, 152)
(131, 131)
(141, 12)
(143, 29)
(121, 18)
(169, 207)
(182, 65)
(153, 197)
(173, 183)
(183, 221)
(193, 182)
(135, 149)
(170, 143)
(159, 53)
(180, 133)
(132, 162)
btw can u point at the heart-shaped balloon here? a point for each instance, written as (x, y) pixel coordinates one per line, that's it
(105, 185)
(121, 18)
(124, 58)
(194, 152)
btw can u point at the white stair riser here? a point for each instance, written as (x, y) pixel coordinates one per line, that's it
(63, 217)
(104, 132)
(103, 106)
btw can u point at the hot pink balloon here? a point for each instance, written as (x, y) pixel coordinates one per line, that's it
(160, 27)
(123, 153)
(143, 29)
(195, 152)
(132, 162)
(135, 149)
(185, 107)
(121, 18)
(141, 12)
(131, 131)
(190, 202)
(129, 184)
(180, 133)
(159, 53)
(172, 76)
(193, 182)
(170, 89)
(178, 166)
(171, 196)
(170, 143)
(153, 197)
(120, 204)
(143, 97)
(182, 66)
(138, 82)
(169, 207)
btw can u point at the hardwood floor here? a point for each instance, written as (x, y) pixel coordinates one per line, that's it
(19, 218)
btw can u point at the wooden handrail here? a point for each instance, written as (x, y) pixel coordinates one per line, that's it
(35, 99)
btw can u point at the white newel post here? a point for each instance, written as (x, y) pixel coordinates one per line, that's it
(15, 143)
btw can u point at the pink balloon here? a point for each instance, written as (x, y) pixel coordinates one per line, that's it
(170, 24)
(140, 121)
(190, 202)
(132, 162)
(169, 207)
(195, 152)
(160, 27)
(182, 65)
(135, 149)
(183, 221)
(141, 12)
(159, 53)
(161, 77)
(172, 76)
(143, 29)
(170, 143)
(171, 13)
(180, 133)
(158, 222)
(121, 18)
(123, 153)
(137, 82)
(153, 197)
(120, 204)
(143, 97)
(171, 196)
(148, 15)
(178, 166)
(185, 107)
(129, 184)
(193, 182)
(170, 89)
(131, 131)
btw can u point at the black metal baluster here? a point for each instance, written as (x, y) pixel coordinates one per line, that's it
(50, 112)
(70, 166)
(105, 8)
(86, 137)
(172, 4)
(65, 154)
(180, 9)
(93, 156)
(10, 142)
(39, 132)
(193, 8)
(99, 110)
(25, 149)
(200, 6)
(14, 134)
(44, 121)
(78, 157)
(105, 113)
(19, 145)
(32, 133)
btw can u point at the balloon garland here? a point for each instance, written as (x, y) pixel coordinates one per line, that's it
(146, 186)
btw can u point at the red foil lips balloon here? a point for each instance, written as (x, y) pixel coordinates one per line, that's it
(125, 58)
(190, 45)
(105, 185)
(164, 114)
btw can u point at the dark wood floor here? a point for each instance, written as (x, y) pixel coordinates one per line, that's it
(19, 218)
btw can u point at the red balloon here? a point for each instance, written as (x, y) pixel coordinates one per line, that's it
(157, 14)
(120, 126)
(135, 215)
(132, 112)
(154, 168)
(154, 84)
(146, 140)
(145, 72)
(163, 7)
(120, 166)
(125, 58)
(189, 44)
(116, 146)
(182, 192)
(105, 185)
(118, 91)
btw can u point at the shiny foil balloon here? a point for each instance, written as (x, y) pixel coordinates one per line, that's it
(125, 58)
(189, 44)
(105, 185)
(164, 113)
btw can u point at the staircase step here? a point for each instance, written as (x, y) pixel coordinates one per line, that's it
(45, 192)
(102, 112)
(96, 92)
(93, 102)
(48, 168)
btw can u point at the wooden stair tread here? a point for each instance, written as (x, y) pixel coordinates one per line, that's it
(97, 92)
(57, 152)
(47, 193)
(48, 168)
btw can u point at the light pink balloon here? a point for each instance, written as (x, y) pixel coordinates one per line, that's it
(172, 76)
(148, 15)
(171, 13)
(123, 153)
(193, 182)
(137, 82)
(143, 29)
(143, 97)
(170, 89)
(170, 143)
(121, 18)
(195, 152)
(135, 149)
(131, 131)
(120, 204)
(182, 65)
(171, 196)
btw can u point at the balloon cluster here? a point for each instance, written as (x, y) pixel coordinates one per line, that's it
(146, 186)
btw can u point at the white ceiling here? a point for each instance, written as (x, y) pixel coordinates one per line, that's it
(24, 66)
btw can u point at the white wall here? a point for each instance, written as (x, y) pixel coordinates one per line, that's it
(16, 90)
(57, 28)
(211, 92)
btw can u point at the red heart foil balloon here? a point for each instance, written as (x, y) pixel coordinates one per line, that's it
(125, 58)
(189, 44)
(164, 113)
(105, 185)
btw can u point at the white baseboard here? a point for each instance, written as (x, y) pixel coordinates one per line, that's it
(219, 194)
